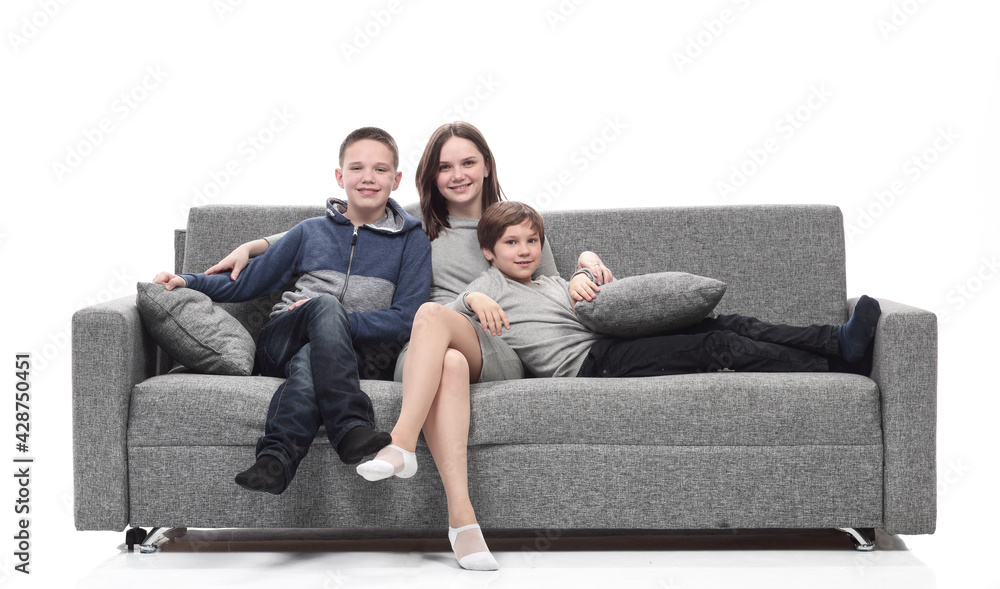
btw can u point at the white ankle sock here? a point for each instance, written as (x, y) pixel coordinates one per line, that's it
(470, 548)
(391, 460)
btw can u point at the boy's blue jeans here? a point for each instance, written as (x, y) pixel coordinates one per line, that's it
(310, 347)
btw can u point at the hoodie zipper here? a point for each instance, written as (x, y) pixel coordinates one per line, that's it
(350, 262)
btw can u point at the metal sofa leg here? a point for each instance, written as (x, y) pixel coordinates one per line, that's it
(864, 538)
(151, 541)
(158, 537)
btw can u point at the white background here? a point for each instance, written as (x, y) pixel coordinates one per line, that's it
(119, 116)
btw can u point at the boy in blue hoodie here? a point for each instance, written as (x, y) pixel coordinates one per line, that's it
(361, 272)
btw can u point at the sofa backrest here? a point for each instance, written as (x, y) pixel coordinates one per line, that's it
(782, 263)
(215, 230)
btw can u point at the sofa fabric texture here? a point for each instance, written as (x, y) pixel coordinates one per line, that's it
(699, 451)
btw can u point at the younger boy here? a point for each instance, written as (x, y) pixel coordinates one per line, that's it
(361, 271)
(544, 330)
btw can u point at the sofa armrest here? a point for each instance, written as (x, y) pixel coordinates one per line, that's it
(905, 369)
(111, 354)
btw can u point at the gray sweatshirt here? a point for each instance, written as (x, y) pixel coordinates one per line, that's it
(544, 331)
(457, 260)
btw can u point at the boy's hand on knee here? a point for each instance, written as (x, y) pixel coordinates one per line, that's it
(169, 281)
(491, 315)
(298, 303)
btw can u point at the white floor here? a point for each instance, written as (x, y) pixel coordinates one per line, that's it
(95, 562)
(744, 569)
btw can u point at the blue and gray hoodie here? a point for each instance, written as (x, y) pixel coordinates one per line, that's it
(380, 272)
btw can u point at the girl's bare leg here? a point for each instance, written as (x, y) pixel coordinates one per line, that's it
(436, 330)
(446, 431)
(443, 358)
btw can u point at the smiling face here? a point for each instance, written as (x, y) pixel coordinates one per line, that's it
(368, 176)
(461, 171)
(517, 253)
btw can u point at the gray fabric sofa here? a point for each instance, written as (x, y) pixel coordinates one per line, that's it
(701, 451)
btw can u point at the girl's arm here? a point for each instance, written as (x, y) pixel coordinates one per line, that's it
(592, 262)
(588, 260)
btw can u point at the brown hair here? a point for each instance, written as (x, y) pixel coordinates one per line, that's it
(504, 214)
(432, 204)
(375, 134)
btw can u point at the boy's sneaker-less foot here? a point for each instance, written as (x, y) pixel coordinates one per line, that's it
(855, 336)
(267, 475)
(360, 442)
(862, 366)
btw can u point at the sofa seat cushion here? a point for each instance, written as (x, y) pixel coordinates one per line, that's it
(716, 409)
(719, 409)
(185, 409)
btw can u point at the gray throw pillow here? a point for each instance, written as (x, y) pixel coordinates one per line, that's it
(195, 332)
(650, 303)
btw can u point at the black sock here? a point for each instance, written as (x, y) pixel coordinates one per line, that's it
(266, 475)
(862, 366)
(855, 336)
(360, 442)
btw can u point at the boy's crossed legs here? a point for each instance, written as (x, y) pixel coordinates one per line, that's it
(311, 348)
